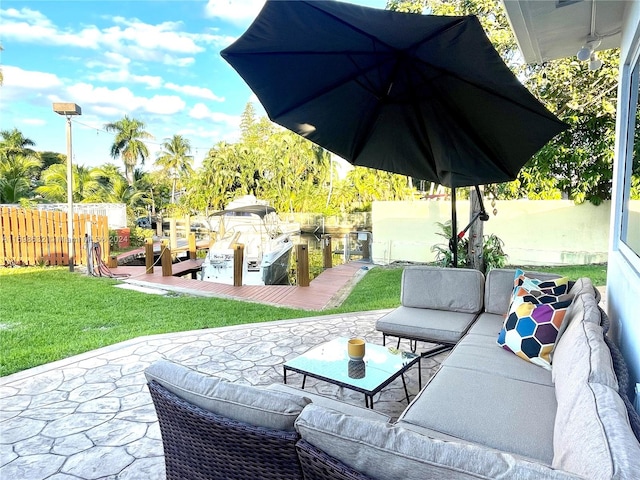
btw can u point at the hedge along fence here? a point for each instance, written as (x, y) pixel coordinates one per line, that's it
(32, 237)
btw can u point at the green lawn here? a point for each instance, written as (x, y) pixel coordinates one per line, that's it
(48, 313)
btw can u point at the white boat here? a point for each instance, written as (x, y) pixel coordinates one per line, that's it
(267, 249)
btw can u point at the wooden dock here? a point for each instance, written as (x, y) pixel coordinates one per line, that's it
(327, 290)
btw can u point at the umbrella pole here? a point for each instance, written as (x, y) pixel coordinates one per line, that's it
(453, 244)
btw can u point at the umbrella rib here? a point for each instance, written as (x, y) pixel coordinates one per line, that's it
(469, 82)
(333, 86)
(493, 92)
(348, 25)
(370, 122)
(477, 139)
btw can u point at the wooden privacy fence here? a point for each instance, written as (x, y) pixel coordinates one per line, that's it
(32, 237)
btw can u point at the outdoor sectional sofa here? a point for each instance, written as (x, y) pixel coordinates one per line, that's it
(486, 413)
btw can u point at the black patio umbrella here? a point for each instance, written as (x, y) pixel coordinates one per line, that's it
(420, 95)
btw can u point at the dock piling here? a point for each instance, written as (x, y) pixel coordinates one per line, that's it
(192, 246)
(148, 255)
(302, 260)
(327, 260)
(238, 260)
(165, 259)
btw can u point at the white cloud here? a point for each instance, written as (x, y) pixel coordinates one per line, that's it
(178, 62)
(125, 77)
(109, 60)
(163, 36)
(200, 112)
(126, 39)
(194, 91)
(31, 80)
(164, 104)
(149, 80)
(107, 110)
(31, 26)
(234, 11)
(122, 100)
(36, 122)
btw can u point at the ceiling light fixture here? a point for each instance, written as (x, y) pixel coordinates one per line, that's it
(587, 50)
(594, 62)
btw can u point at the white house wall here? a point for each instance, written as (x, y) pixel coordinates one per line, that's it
(623, 277)
(536, 232)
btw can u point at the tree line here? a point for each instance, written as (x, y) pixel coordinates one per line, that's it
(298, 176)
(268, 161)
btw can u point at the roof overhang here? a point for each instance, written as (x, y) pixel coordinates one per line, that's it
(550, 29)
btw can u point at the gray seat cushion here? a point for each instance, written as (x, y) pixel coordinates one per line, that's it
(437, 326)
(391, 452)
(482, 354)
(488, 409)
(488, 324)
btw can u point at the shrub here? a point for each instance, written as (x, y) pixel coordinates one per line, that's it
(492, 251)
(137, 236)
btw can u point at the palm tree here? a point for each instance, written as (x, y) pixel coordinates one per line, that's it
(54, 184)
(112, 187)
(128, 143)
(175, 160)
(15, 143)
(19, 166)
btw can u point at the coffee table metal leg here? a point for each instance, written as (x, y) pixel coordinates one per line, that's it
(404, 384)
(304, 380)
(368, 401)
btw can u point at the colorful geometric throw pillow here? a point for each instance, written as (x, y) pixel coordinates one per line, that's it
(556, 286)
(531, 329)
(547, 295)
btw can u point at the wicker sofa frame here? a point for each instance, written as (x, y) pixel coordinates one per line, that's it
(200, 445)
(317, 465)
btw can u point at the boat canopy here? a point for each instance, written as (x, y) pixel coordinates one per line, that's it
(260, 210)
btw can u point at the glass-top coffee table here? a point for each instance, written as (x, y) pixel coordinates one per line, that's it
(330, 362)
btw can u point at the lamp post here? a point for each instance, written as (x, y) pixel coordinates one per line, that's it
(68, 110)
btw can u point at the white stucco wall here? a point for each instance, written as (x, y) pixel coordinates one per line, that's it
(623, 273)
(550, 232)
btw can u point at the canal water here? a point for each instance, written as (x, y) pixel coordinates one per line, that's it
(344, 248)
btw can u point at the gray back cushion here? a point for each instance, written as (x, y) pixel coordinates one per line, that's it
(581, 354)
(387, 452)
(499, 288)
(592, 435)
(244, 403)
(453, 289)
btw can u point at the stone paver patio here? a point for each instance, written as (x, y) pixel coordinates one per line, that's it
(91, 416)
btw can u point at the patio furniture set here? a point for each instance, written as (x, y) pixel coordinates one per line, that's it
(532, 388)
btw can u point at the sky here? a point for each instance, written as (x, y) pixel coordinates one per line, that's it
(156, 61)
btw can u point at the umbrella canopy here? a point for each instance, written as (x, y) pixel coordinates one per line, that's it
(424, 96)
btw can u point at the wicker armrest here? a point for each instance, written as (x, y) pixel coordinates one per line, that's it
(317, 465)
(622, 373)
(200, 445)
